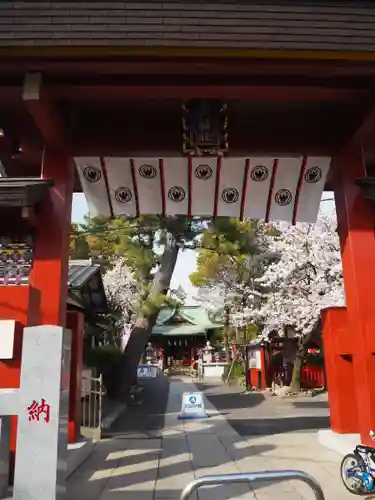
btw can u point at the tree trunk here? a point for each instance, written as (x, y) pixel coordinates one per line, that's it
(144, 323)
(226, 332)
(301, 353)
(296, 376)
(226, 345)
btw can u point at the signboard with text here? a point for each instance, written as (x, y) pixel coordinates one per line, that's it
(192, 406)
(41, 405)
(147, 371)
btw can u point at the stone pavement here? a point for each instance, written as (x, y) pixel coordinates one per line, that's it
(157, 463)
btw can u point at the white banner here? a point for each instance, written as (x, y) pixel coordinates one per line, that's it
(280, 189)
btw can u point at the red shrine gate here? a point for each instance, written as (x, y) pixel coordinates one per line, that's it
(106, 89)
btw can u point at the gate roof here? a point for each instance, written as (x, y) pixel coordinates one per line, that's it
(330, 25)
(298, 78)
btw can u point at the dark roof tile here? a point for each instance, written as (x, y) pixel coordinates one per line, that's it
(288, 24)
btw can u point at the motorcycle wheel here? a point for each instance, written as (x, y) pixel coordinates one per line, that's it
(353, 485)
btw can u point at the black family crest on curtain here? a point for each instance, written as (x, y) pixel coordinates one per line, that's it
(204, 127)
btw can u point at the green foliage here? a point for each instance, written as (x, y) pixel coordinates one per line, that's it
(251, 331)
(153, 304)
(144, 243)
(107, 361)
(138, 240)
(226, 244)
(237, 372)
(78, 245)
(217, 335)
(130, 238)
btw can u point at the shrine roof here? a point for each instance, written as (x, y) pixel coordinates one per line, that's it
(80, 272)
(185, 320)
(288, 25)
(85, 287)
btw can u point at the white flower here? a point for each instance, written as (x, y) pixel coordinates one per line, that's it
(122, 290)
(306, 278)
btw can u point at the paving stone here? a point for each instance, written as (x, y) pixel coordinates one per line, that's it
(167, 487)
(157, 464)
(207, 450)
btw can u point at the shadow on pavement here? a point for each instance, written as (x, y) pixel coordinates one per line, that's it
(234, 401)
(148, 416)
(128, 468)
(225, 397)
(268, 426)
(135, 458)
(311, 404)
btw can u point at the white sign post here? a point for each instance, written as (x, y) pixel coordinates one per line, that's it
(42, 405)
(192, 406)
(255, 359)
(147, 371)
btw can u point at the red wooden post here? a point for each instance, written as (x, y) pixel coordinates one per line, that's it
(340, 370)
(75, 322)
(51, 251)
(44, 300)
(356, 230)
(263, 368)
(14, 304)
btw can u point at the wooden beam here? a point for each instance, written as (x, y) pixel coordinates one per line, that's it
(366, 132)
(133, 142)
(94, 52)
(362, 135)
(10, 94)
(44, 112)
(178, 66)
(246, 92)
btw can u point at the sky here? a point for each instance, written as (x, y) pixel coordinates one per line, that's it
(186, 262)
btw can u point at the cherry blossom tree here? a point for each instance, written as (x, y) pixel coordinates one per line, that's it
(232, 256)
(305, 278)
(123, 295)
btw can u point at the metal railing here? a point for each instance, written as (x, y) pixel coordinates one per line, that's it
(255, 477)
(91, 395)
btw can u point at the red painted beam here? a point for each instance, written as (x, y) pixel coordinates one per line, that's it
(248, 92)
(178, 66)
(363, 133)
(131, 143)
(10, 93)
(198, 66)
(44, 113)
(366, 132)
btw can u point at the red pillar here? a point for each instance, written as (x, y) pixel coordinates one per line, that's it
(44, 300)
(14, 304)
(75, 323)
(356, 231)
(338, 359)
(264, 368)
(51, 250)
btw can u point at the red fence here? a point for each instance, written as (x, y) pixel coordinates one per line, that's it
(312, 377)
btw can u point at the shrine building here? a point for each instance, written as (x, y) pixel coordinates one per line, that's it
(179, 334)
(209, 108)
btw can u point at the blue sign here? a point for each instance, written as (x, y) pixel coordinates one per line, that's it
(146, 371)
(192, 406)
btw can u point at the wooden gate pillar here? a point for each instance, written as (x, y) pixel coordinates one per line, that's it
(338, 359)
(51, 249)
(75, 323)
(43, 301)
(356, 230)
